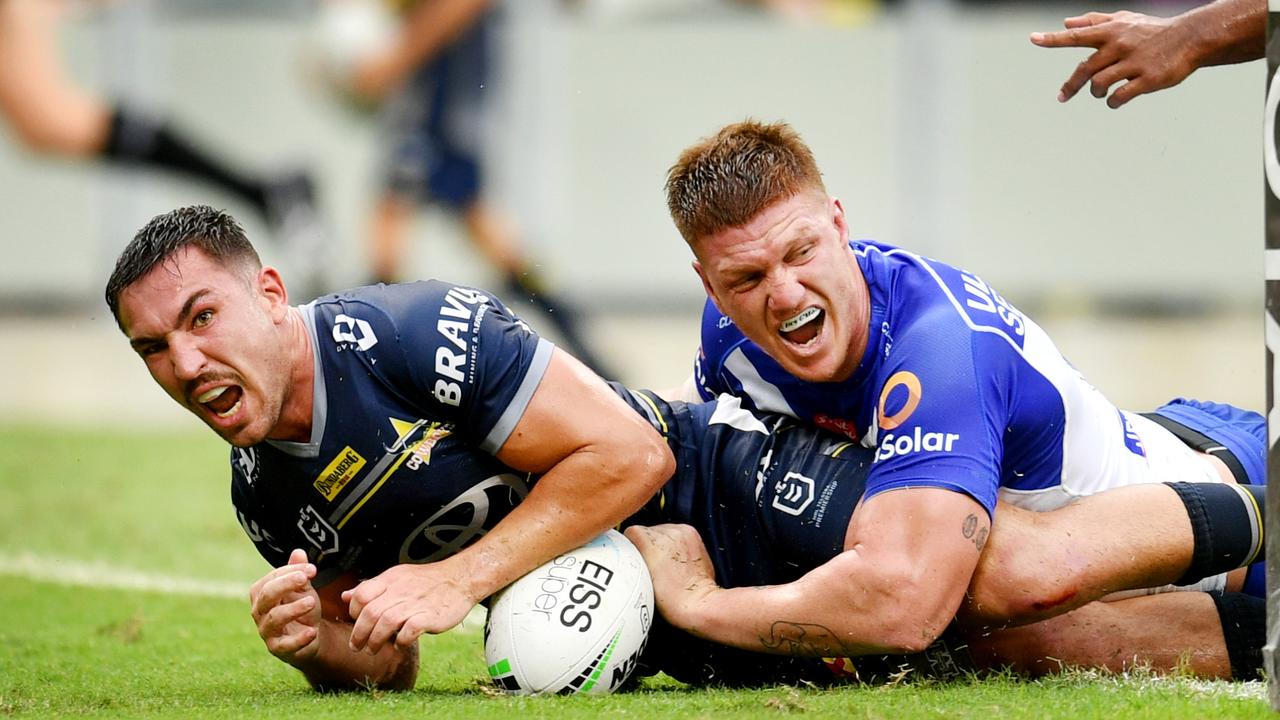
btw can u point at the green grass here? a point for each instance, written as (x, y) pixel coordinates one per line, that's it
(158, 503)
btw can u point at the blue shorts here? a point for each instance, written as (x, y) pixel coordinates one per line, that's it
(1244, 434)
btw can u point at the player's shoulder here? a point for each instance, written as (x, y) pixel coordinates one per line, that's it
(936, 300)
(404, 303)
(720, 335)
(407, 318)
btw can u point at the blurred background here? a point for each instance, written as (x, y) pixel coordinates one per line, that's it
(1134, 235)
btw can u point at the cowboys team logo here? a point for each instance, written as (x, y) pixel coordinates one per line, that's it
(318, 531)
(901, 395)
(417, 452)
(793, 494)
(351, 332)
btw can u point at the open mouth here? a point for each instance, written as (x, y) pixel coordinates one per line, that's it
(223, 400)
(803, 327)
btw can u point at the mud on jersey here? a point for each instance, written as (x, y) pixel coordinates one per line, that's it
(956, 389)
(416, 386)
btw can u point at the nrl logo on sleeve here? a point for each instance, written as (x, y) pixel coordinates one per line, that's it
(339, 472)
(349, 331)
(318, 531)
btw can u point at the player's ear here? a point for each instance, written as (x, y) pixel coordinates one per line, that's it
(706, 285)
(271, 288)
(837, 217)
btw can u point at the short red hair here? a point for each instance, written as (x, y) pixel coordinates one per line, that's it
(725, 180)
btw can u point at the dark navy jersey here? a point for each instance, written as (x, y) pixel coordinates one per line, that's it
(770, 497)
(416, 387)
(956, 389)
(772, 500)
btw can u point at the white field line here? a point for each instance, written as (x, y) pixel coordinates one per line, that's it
(67, 571)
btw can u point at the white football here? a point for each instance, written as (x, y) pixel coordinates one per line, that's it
(347, 32)
(575, 625)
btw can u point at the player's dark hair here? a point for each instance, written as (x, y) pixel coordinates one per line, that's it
(214, 232)
(725, 180)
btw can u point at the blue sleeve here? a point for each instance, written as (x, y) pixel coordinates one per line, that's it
(937, 417)
(719, 337)
(460, 355)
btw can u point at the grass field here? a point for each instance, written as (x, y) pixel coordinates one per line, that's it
(89, 517)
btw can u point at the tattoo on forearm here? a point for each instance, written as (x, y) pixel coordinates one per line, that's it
(803, 640)
(971, 531)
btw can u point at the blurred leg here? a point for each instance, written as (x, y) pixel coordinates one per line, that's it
(391, 217)
(46, 110)
(495, 239)
(1172, 631)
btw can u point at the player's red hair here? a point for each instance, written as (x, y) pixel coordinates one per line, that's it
(725, 180)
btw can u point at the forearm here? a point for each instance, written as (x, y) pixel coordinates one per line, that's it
(335, 666)
(847, 607)
(585, 494)
(1227, 31)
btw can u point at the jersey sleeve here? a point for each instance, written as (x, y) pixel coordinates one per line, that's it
(464, 357)
(937, 417)
(252, 516)
(718, 338)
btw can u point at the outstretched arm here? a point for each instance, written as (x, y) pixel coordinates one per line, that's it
(908, 559)
(1154, 53)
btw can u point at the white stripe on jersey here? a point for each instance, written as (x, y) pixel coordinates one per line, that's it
(729, 412)
(763, 393)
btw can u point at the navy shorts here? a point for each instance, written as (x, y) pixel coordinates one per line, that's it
(435, 124)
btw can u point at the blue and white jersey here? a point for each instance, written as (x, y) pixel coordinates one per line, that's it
(957, 389)
(416, 386)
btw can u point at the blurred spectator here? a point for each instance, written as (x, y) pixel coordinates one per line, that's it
(50, 114)
(433, 74)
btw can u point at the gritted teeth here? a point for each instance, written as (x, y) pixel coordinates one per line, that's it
(211, 394)
(806, 316)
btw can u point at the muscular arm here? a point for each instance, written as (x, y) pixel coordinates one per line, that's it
(1153, 53)
(908, 559)
(599, 462)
